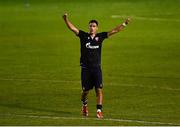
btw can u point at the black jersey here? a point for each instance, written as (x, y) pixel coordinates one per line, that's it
(91, 48)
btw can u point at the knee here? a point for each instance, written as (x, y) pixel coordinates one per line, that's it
(85, 92)
(98, 92)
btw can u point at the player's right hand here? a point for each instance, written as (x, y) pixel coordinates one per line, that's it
(65, 15)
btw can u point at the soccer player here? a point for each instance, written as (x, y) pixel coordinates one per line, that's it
(90, 61)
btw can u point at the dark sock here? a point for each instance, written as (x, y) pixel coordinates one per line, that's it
(99, 107)
(84, 102)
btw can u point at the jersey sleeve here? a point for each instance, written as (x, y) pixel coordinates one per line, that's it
(104, 35)
(81, 34)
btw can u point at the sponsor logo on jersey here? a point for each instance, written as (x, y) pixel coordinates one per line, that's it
(88, 45)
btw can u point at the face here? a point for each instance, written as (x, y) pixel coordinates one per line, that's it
(93, 28)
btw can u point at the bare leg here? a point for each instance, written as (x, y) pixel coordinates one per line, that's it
(99, 96)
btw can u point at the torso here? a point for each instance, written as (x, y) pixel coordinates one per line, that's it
(91, 48)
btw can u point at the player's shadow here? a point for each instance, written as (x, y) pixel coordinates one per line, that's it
(19, 106)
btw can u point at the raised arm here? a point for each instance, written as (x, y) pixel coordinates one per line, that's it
(70, 25)
(119, 27)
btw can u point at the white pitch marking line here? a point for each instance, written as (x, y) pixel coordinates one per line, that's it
(145, 18)
(81, 118)
(142, 86)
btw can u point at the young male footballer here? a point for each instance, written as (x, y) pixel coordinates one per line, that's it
(90, 61)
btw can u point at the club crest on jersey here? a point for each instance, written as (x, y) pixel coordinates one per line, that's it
(97, 38)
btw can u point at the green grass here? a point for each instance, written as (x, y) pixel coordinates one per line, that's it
(40, 72)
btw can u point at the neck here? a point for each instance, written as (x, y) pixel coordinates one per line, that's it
(92, 34)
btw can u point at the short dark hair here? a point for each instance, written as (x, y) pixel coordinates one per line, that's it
(93, 21)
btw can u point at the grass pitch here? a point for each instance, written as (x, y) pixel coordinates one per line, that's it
(40, 72)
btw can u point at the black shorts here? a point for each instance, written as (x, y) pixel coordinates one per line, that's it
(91, 77)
